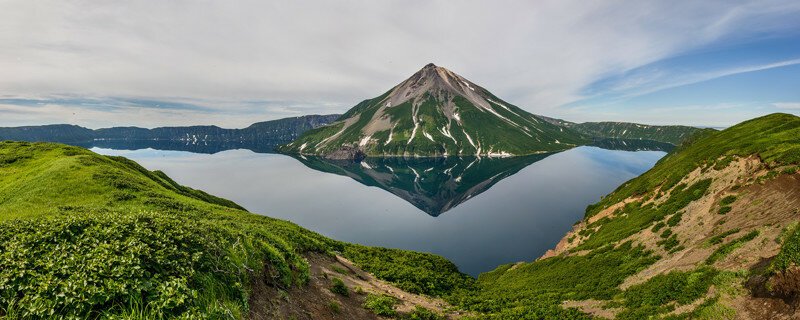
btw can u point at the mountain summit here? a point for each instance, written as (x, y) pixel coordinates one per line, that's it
(435, 112)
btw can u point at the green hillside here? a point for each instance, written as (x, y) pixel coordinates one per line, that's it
(86, 236)
(656, 222)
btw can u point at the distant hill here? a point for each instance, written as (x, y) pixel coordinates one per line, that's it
(51, 133)
(435, 112)
(281, 130)
(624, 130)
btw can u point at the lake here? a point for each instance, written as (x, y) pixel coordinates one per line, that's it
(479, 213)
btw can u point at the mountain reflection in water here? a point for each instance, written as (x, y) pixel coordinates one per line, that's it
(434, 185)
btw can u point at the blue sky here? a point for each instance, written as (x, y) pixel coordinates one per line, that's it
(182, 62)
(720, 84)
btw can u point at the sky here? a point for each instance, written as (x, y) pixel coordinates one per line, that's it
(232, 63)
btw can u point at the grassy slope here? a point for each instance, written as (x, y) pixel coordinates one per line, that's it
(86, 235)
(772, 137)
(535, 290)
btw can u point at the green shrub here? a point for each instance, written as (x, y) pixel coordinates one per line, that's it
(675, 219)
(381, 305)
(596, 275)
(421, 313)
(727, 200)
(729, 247)
(415, 272)
(724, 210)
(118, 261)
(658, 226)
(338, 287)
(718, 238)
(669, 243)
(656, 295)
(339, 269)
(123, 196)
(790, 251)
(335, 307)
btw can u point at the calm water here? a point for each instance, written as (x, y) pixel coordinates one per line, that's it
(479, 213)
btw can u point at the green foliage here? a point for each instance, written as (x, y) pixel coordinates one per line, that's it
(335, 307)
(509, 291)
(411, 271)
(790, 252)
(711, 309)
(420, 313)
(720, 237)
(729, 247)
(338, 287)
(658, 226)
(87, 263)
(123, 242)
(669, 243)
(381, 305)
(675, 219)
(724, 210)
(339, 269)
(657, 294)
(727, 200)
(722, 163)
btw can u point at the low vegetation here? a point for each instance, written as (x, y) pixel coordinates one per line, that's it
(381, 305)
(662, 293)
(729, 247)
(84, 235)
(414, 272)
(635, 217)
(507, 292)
(338, 287)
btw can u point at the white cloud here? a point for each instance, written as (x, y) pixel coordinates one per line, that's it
(330, 55)
(787, 105)
(659, 80)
